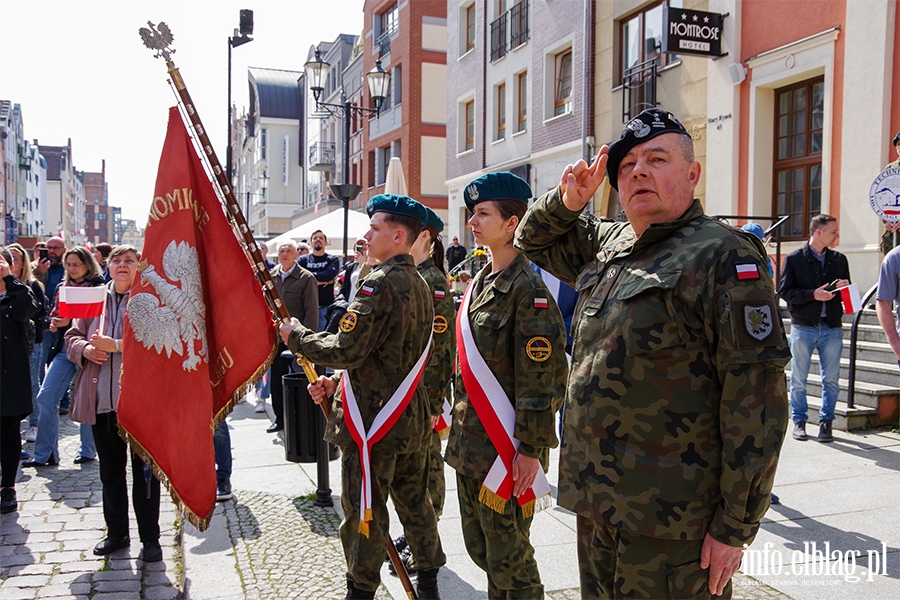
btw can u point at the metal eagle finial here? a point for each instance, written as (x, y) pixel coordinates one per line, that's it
(159, 38)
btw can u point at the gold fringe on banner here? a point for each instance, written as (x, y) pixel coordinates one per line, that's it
(248, 385)
(363, 528)
(491, 500)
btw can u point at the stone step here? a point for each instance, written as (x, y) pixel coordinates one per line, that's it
(883, 400)
(864, 333)
(874, 352)
(881, 374)
(845, 418)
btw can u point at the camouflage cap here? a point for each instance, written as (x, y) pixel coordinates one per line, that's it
(434, 221)
(397, 205)
(646, 126)
(496, 186)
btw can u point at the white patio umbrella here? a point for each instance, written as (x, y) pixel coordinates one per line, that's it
(395, 182)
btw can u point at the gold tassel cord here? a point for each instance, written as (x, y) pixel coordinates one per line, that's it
(363, 528)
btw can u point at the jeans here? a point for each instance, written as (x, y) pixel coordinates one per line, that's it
(56, 382)
(264, 386)
(322, 322)
(37, 378)
(222, 449)
(829, 344)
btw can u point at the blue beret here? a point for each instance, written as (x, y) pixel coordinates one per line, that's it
(754, 228)
(397, 205)
(434, 221)
(646, 126)
(897, 138)
(496, 186)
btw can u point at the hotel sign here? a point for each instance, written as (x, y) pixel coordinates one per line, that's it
(693, 32)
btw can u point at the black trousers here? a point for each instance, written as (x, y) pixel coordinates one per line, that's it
(10, 449)
(280, 368)
(113, 454)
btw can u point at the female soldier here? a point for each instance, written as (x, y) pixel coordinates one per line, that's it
(511, 381)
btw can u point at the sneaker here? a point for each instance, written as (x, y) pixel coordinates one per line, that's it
(223, 491)
(799, 432)
(260, 406)
(24, 455)
(824, 432)
(31, 435)
(8, 502)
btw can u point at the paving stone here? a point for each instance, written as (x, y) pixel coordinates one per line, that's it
(65, 590)
(14, 593)
(121, 575)
(81, 566)
(63, 536)
(126, 585)
(160, 592)
(38, 548)
(16, 559)
(157, 578)
(32, 569)
(26, 581)
(62, 557)
(117, 596)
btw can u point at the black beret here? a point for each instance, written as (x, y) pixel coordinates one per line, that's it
(496, 186)
(646, 126)
(897, 138)
(397, 205)
(434, 221)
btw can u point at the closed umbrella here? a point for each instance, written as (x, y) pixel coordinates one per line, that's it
(395, 182)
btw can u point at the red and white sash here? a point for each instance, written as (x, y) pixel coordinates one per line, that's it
(498, 415)
(384, 420)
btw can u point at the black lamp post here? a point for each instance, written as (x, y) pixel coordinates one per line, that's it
(378, 80)
(241, 36)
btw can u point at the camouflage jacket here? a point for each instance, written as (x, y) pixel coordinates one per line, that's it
(436, 379)
(505, 324)
(677, 406)
(379, 340)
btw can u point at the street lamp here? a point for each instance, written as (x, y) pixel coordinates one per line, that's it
(241, 36)
(378, 80)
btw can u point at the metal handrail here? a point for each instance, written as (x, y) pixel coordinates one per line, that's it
(851, 376)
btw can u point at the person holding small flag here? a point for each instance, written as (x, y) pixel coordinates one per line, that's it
(82, 271)
(810, 280)
(510, 383)
(381, 416)
(676, 407)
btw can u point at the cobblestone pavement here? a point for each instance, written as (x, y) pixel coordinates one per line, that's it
(46, 547)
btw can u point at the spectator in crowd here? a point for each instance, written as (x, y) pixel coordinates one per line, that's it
(18, 304)
(49, 270)
(356, 270)
(101, 252)
(811, 275)
(21, 268)
(890, 228)
(82, 270)
(325, 267)
(455, 253)
(888, 294)
(302, 249)
(95, 402)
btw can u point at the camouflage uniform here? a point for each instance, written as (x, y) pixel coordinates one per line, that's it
(380, 339)
(504, 319)
(676, 405)
(436, 379)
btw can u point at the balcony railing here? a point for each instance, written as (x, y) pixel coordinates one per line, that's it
(518, 24)
(498, 38)
(383, 41)
(639, 88)
(321, 156)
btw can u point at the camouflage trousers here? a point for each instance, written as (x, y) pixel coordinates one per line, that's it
(619, 564)
(499, 544)
(435, 467)
(404, 478)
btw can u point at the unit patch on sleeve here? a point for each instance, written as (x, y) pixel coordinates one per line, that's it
(348, 322)
(758, 321)
(538, 349)
(366, 290)
(747, 271)
(440, 324)
(439, 293)
(540, 303)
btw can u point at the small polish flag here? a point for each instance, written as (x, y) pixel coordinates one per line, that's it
(81, 302)
(850, 298)
(366, 290)
(439, 293)
(540, 303)
(747, 272)
(446, 418)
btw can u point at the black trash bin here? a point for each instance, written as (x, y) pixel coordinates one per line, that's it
(304, 423)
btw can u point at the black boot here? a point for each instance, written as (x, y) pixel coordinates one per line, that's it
(426, 585)
(824, 432)
(354, 593)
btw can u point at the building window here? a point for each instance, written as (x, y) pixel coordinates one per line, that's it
(498, 37)
(389, 20)
(470, 28)
(518, 24)
(798, 154)
(641, 35)
(262, 143)
(397, 85)
(562, 101)
(470, 125)
(522, 101)
(501, 111)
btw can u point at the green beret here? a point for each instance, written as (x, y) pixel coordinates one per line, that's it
(646, 126)
(397, 205)
(434, 221)
(496, 186)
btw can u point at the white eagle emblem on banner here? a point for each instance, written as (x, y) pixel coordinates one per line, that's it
(180, 320)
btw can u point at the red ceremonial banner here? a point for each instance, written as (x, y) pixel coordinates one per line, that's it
(198, 331)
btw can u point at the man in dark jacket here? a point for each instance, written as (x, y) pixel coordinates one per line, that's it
(808, 283)
(455, 254)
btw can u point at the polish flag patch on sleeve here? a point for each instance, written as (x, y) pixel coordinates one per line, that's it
(540, 303)
(366, 290)
(747, 271)
(439, 293)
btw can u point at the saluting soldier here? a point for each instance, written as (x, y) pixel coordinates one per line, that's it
(677, 406)
(510, 383)
(381, 414)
